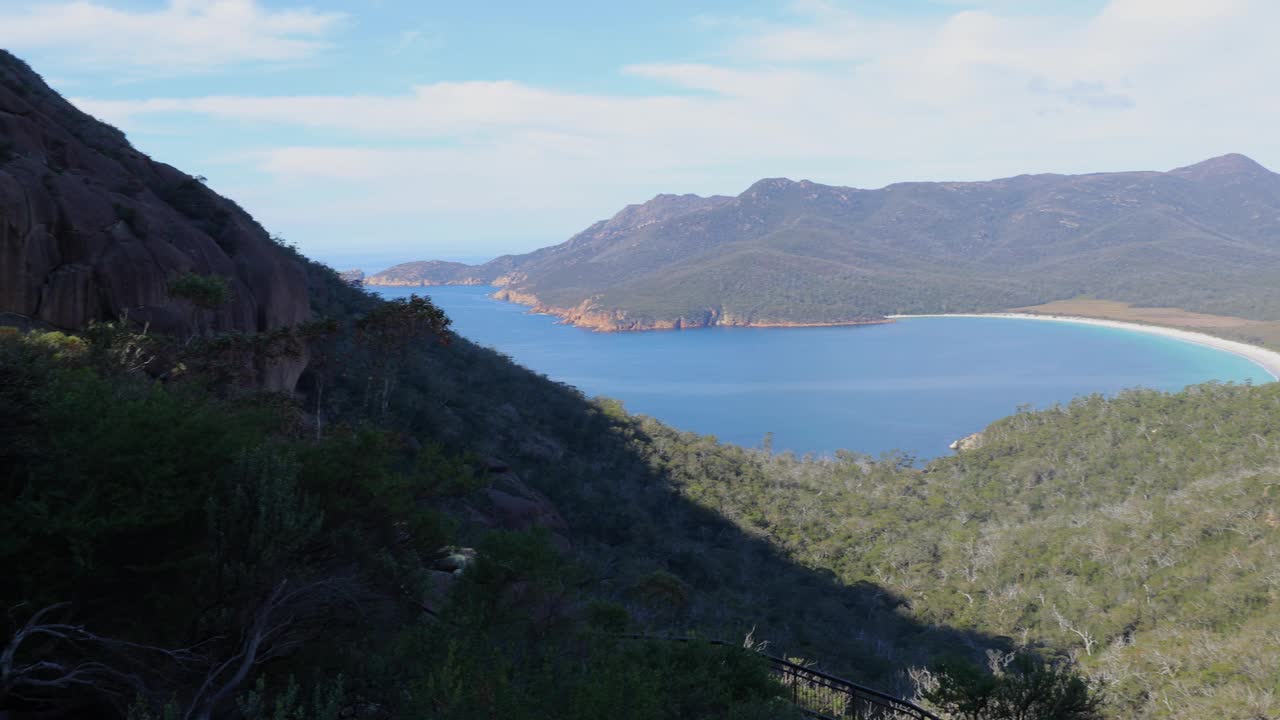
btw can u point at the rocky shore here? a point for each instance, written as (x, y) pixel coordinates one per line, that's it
(586, 315)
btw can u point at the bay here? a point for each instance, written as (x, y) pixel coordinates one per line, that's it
(914, 385)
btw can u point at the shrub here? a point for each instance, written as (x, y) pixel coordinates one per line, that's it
(1025, 686)
(663, 590)
(206, 292)
(607, 616)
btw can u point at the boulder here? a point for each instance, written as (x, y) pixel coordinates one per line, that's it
(92, 229)
(968, 442)
(507, 503)
(455, 560)
(523, 509)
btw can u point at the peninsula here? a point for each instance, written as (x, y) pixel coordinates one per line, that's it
(783, 253)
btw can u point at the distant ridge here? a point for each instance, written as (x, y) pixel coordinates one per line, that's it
(1204, 237)
(1230, 164)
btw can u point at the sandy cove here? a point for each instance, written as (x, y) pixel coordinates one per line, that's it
(1268, 360)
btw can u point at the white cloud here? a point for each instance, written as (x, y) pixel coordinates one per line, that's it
(182, 36)
(442, 109)
(834, 96)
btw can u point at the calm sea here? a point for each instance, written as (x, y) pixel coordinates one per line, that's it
(914, 385)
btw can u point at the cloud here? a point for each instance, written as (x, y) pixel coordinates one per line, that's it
(1089, 94)
(183, 36)
(437, 110)
(830, 95)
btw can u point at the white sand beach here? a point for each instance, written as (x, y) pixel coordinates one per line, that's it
(1268, 360)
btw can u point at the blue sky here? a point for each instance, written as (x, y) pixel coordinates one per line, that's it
(390, 130)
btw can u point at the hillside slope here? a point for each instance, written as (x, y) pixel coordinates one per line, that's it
(92, 229)
(1204, 237)
(1136, 535)
(428, 530)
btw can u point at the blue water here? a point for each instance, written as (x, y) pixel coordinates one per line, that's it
(914, 385)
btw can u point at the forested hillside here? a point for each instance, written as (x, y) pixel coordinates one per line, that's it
(1130, 537)
(1137, 534)
(180, 544)
(1204, 237)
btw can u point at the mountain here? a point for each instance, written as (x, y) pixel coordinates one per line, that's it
(1204, 237)
(92, 229)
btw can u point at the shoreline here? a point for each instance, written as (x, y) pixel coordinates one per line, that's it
(1268, 360)
(586, 318)
(581, 317)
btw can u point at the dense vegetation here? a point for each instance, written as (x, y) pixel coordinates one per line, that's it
(1199, 238)
(1137, 534)
(1131, 539)
(1133, 536)
(190, 548)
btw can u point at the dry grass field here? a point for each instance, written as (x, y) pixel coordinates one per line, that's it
(1257, 332)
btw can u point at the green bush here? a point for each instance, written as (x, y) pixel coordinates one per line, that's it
(608, 617)
(206, 292)
(1026, 687)
(663, 590)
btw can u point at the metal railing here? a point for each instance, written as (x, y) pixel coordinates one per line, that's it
(820, 695)
(824, 696)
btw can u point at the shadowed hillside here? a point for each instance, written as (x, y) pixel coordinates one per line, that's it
(478, 524)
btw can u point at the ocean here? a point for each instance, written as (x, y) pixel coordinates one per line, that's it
(912, 386)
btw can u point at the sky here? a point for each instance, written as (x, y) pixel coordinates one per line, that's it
(381, 131)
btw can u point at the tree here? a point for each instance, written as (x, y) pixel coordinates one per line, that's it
(205, 293)
(390, 328)
(1022, 686)
(233, 359)
(45, 660)
(318, 335)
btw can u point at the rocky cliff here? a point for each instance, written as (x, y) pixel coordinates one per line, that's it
(92, 229)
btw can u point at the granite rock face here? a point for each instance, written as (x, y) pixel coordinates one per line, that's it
(92, 229)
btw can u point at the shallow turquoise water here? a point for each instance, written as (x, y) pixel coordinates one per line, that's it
(914, 385)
